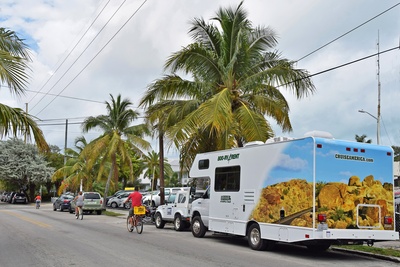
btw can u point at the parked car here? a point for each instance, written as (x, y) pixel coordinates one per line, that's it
(4, 196)
(10, 196)
(63, 202)
(116, 194)
(153, 199)
(116, 202)
(93, 201)
(19, 198)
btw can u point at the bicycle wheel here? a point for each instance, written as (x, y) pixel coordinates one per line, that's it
(128, 225)
(81, 213)
(139, 225)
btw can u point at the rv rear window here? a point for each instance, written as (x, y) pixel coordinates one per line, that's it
(227, 179)
(204, 164)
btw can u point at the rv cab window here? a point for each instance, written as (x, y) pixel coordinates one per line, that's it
(227, 179)
(204, 164)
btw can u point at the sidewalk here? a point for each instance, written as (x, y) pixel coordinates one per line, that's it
(388, 244)
(383, 245)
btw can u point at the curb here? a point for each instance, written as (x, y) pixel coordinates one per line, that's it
(368, 254)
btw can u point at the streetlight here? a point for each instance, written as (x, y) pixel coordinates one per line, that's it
(377, 124)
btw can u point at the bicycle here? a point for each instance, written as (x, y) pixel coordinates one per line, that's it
(136, 219)
(79, 213)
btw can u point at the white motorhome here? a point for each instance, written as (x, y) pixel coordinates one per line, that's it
(312, 191)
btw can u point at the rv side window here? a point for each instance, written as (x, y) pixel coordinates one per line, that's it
(227, 179)
(204, 164)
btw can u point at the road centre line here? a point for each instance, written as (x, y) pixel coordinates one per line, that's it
(44, 225)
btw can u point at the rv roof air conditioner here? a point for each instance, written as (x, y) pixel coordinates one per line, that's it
(278, 139)
(321, 134)
(253, 143)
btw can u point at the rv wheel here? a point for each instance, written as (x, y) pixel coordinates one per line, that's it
(198, 228)
(254, 238)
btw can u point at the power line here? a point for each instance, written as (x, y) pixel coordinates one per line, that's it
(348, 32)
(137, 10)
(351, 62)
(53, 124)
(66, 59)
(80, 55)
(70, 97)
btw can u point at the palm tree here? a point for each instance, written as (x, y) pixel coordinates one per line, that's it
(159, 117)
(152, 168)
(118, 139)
(124, 172)
(14, 59)
(363, 139)
(76, 171)
(236, 76)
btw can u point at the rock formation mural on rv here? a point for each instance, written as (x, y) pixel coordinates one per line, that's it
(338, 201)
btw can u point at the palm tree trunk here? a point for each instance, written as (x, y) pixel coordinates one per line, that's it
(110, 175)
(161, 144)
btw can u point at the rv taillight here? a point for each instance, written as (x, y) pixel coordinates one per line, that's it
(321, 218)
(388, 220)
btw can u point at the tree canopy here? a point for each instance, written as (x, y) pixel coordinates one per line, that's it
(232, 77)
(14, 59)
(22, 166)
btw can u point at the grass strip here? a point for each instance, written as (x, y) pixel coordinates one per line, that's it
(110, 213)
(374, 250)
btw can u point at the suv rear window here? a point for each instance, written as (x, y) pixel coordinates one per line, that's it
(20, 194)
(91, 196)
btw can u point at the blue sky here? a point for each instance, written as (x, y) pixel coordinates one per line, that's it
(84, 59)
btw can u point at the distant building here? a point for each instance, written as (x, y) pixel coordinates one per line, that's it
(183, 175)
(396, 172)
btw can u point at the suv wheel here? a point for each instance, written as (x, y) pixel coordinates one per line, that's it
(178, 223)
(159, 221)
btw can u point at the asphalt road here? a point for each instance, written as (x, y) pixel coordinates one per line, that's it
(30, 237)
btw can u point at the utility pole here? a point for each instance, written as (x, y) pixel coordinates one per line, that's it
(65, 148)
(378, 117)
(26, 113)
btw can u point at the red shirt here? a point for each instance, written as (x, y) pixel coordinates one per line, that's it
(136, 198)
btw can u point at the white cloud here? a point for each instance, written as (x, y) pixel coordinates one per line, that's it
(135, 57)
(288, 163)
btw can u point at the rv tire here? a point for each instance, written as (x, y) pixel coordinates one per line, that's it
(198, 228)
(254, 238)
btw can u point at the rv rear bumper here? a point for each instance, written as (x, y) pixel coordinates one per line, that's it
(338, 234)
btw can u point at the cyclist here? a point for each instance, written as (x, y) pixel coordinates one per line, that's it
(78, 202)
(136, 198)
(38, 199)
